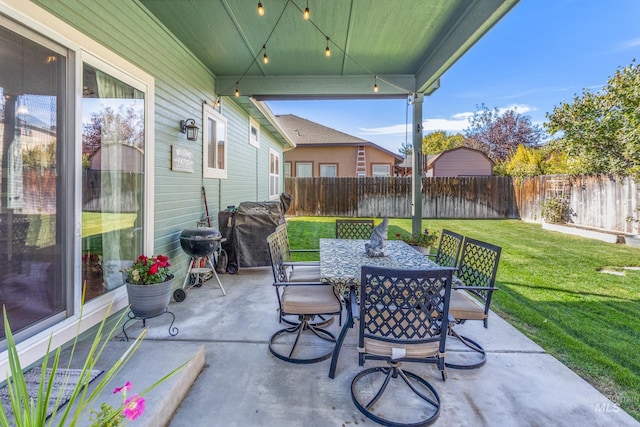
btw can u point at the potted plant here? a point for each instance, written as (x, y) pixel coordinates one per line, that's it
(421, 242)
(149, 284)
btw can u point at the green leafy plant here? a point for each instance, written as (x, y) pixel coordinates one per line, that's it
(149, 270)
(30, 412)
(424, 239)
(555, 210)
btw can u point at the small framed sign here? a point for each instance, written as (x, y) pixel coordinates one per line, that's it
(181, 159)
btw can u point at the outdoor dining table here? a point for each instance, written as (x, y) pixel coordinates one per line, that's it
(340, 263)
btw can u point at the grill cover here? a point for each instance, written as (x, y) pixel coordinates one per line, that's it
(247, 229)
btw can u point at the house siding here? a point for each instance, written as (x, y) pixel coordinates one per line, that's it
(344, 156)
(181, 84)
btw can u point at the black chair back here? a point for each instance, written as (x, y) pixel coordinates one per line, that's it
(477, 269)
(354, 229)
(448, 248)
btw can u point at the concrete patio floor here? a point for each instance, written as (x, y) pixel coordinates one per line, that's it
(242, 384)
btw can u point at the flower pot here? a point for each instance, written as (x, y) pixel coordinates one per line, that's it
(422, 249)
(149, 300)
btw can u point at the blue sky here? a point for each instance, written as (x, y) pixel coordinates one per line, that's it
(541, 54)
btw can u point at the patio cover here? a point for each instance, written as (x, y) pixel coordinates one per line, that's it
(407, 44)
(402, 46)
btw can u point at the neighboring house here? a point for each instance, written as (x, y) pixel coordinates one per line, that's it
(405, 168)
(324, 152)
(461, 161)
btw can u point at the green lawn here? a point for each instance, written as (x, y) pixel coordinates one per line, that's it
(552, 289)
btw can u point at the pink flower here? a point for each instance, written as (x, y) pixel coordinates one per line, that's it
(133, 407)
(143, 259)
(163, 261)
(123, 389)
(153, 269)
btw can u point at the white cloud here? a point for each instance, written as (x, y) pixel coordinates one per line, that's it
(455, 124)
(518, 108)
(629, 44)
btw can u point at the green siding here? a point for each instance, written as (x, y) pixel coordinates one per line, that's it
(182, 83)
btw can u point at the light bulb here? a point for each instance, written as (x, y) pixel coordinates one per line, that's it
(260, 9)
(265, 58)
(237, 93)
(375, 88)
(306, 15)
(327, 51)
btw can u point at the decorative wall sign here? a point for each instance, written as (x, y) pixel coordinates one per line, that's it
(181, 159)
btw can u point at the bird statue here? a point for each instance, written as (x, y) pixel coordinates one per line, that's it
(377, 247)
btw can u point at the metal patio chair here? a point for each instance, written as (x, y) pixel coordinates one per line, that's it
(354, 228)
(301, 294)
(403, 317)
(471, 299)
(448, 249)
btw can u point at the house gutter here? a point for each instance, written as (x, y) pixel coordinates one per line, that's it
(268, 114)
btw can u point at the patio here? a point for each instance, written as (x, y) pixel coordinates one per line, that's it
(242, 384)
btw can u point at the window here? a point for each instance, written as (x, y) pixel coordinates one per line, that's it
(214, 156)
(254, 133)
(287, 169)
(274, 174)
(113, 149)
(330, 171)
(381, 170)
(304, 170)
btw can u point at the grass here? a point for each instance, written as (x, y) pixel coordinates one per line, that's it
(553, 290)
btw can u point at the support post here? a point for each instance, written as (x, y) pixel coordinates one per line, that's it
(416, 175)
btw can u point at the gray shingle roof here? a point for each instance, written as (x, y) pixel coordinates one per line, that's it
(305, 132)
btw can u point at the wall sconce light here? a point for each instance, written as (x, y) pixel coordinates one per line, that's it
(189, 127)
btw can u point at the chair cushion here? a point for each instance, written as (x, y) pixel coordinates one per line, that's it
(385, 349)
(312, 299)
(304, 274)
(464, 307)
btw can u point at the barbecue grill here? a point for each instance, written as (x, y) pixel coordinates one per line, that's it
(203, 245)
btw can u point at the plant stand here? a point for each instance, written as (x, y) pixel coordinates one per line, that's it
(173, 331)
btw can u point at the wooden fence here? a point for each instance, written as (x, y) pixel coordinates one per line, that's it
(595, 201)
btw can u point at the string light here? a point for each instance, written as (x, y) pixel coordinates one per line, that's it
(327, 52)
(306, 15)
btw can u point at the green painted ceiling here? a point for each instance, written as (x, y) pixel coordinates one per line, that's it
(408, 44)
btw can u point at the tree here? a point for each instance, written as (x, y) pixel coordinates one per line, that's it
(499, 135)
(525, 162)
(438, 141)
(406, 148)
(602, 129)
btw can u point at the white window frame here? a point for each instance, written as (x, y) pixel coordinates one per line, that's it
(374, 166)
(209, 113)
(254, 132)
(274, 175)
(287, 169)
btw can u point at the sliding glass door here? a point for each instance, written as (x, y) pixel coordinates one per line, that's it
(33, 93)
